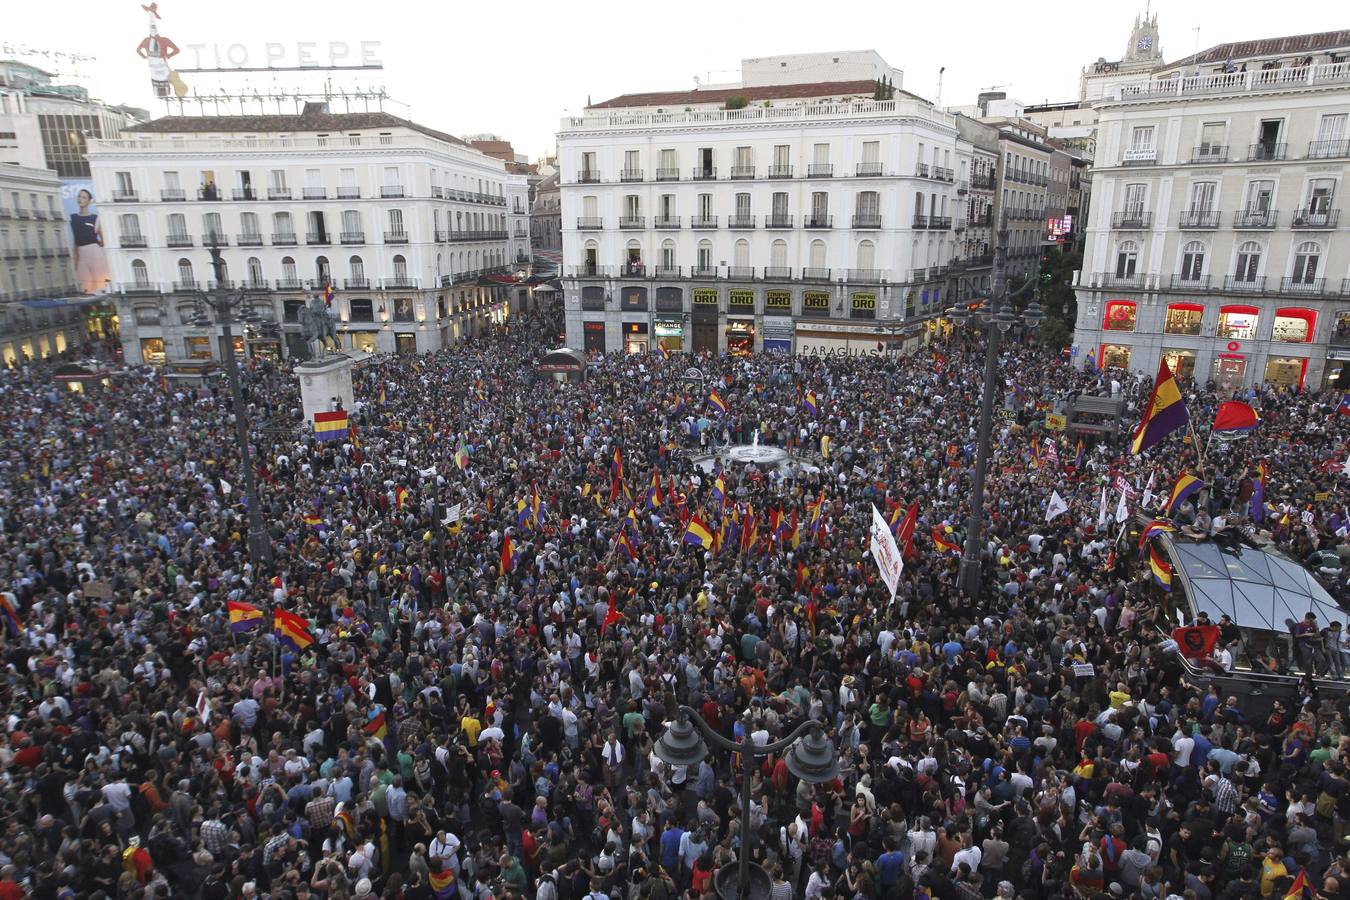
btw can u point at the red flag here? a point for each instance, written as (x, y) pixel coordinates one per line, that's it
(905, 533)
(1196, 641)
(508, 555)
(612, 615)
(1233, 415)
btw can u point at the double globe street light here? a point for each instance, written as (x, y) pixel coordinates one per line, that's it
(810, 757)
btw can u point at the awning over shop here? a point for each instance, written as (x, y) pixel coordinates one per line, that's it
(1256, 588)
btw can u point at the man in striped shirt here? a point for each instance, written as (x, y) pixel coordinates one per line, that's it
(1225, 794)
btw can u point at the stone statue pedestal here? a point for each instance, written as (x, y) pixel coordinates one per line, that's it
(324, 379)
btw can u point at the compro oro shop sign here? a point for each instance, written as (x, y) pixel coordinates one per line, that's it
(830, 339)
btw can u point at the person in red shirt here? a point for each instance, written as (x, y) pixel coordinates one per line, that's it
(29, 754)
(9, 888)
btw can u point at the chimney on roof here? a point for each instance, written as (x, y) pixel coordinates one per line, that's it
(315, 107)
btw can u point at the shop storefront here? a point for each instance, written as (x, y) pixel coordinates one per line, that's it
(1229, 371)
(405, 344)
(152, 351)
(633, 299)
(741, 302)
(593, 337)
(778, 303)
(669, 332)
(862, 305)
(826, 338)
(1115, 356)
(100, 321)
(816, 303)
(363, 340)
(265, 348)
(705, 320)
(1181, 362)
(777, 334)
(1336, 371)
(197, 347)
(740, 336)
(1286, 371)
(635, 337)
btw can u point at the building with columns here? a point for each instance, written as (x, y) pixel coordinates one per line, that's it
(412, 229)
(788, 212)
(1216, 239)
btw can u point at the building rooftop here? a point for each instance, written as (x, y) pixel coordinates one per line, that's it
(752, 93)
(1299, 43)
(307, 121)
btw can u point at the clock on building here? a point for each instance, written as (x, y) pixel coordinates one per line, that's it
(1145, 42)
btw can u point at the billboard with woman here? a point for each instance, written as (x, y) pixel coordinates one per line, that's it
(86, 235)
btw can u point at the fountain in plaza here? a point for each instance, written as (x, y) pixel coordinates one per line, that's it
(763, 456)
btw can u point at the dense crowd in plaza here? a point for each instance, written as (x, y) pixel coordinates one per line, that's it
(486, 729)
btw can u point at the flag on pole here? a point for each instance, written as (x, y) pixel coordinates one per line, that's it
(661, 349)
(1234, 415)
(1101, 512)
(625, 546)
(810, 403)
(328, 294)
(291, 629)
(697, 533)
(654, 498)
(1162, 572)
(1148, 491)
(1056, 506)
(612, 615)
(243, 616)
(1344, 408)
(716, 400)
(10, 613)
(400, 496)
(330, 426)
(226, 487)
(461, 457)
(1185, 485)
(1122, 511)
(944, 545)
(1166, 411)
(1156, 527)
(508, 554)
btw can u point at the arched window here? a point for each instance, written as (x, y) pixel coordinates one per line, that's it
(185, 277)
(1120, 316)
(867, 255)
(1238, 322)
(321, 271)
(1307, 257)
(400, 267)
(288, 275)
(1127, 259)
(741, 254)
(1248, 263)
(1293, 325)
(255, 272)
(705, 256)
(357, 267)
(778, 254)
(1193, 262)
(668, 258)
(816, 256)
(140, 276)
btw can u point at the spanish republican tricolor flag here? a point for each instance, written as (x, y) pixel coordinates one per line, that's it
(442, 884)
(10, 613)
(243, 616)
(1162, 572)
(944, 545)
(1166, 412)
(1156, 527)
(698, 533)
(331, 426)
(1185, 485)
(661, 349)
(810, 403)
(625, 546)
(718, 403)
(291, 629)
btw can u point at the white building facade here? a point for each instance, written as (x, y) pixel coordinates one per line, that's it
(1216, 238)
(812, 218)
(407, 225)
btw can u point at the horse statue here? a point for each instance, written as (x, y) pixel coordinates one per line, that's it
(318, 328)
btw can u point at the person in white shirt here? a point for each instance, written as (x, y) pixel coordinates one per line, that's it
(968, 854)
(1182, 746)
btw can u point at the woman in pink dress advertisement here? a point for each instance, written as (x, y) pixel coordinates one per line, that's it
(86, 236)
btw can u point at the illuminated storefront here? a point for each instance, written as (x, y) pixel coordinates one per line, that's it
(740, 336)
(1184, 318)
(1181, 362)
(669, 331)
(1121, 315)
(1115, 356)
(635, 337)
(1286, 371)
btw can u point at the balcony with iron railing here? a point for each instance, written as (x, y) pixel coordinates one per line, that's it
(741, 273)
(1253, 284)
(669, 272)
(131, 241)
(1256, 218)
(777, 273)
(128, 196)
(939, 223)
(401, 282)
(138, 287)
(820, 170)
(314, 193)
(920, 221)
(178, 240)
(982, 183)
(1132, 219)
(283, 239)
(780, 171)
(249, 239)
(359, 237)
(1266, 151)
(774, 220)
(704, 173)
(942, 173)
(817, 220)
(1209, 153)
(703, 222)
(631, 222)
(349, 193)
(357, 283)
(1120, 280)
(633, 270)
(589, 270)
(278, 193)
(1304, 286)
(588, 176)
(254, 284)
(391, 191)
(739, 221)
(437, 192)
(742, 172)
(1328, 149)
(703, 272)
(590, 223)
(1315, 219)
(215, 239)
(290, 283)
(172, 195)
(1199, 218)
(666, 222)
(1190, 282)
(630, 174)
(963, 187)
(186, 286)
(866, 220)
(864, 275)
(868, 169)
(667, 174)
(396, 237)
(815, 273)
(318, 238)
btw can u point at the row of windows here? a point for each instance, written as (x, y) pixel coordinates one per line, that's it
(317, 222)
(35, 202)
(185, 273)
(1267, 140)
(1248, 262)
(864, 254)
(42, 235)
(743, 159)
(1238, 322)
(1317, 197)
(866, 204)
(279, 181)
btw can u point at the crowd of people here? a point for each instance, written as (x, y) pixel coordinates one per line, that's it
(507, 611)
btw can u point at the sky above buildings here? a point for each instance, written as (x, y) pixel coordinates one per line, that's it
(515, 69)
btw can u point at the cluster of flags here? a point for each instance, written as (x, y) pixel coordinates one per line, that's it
(289, 628)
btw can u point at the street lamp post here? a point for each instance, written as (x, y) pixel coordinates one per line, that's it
(224, 303)
(811, 758)
(1000, 321)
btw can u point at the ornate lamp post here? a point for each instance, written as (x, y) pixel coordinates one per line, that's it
(811, 758)
(225, 304)
(996, 322)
